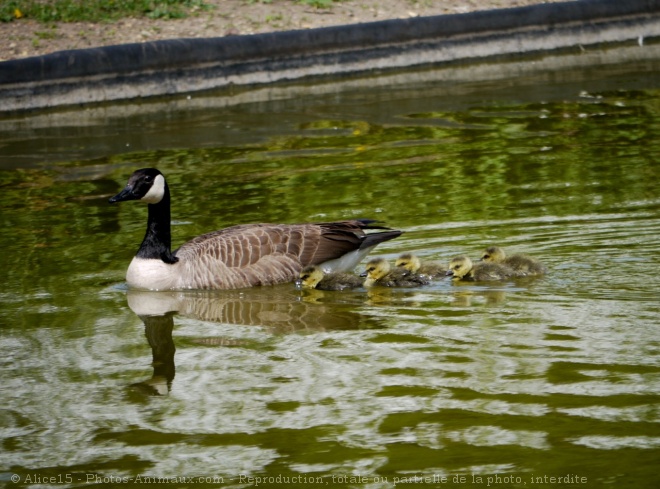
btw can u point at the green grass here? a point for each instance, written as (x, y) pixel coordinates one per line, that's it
(311, 3)
(110, 10)
(318, 3)
(95, 10)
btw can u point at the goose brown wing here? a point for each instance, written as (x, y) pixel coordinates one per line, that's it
(340, 238)
(260, 254)
(244, 245)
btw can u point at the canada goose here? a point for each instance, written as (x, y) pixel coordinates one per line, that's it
(239, 256)
(313, 277)
(413, 263)
(522, 265)
(379, 272)
(462, 268)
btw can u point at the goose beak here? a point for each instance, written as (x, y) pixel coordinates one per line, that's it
(363, 274)
(298, 284)
(124, 195)
(449, 273)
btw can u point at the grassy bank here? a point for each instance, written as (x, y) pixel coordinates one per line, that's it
(95, 10)
(109, 10)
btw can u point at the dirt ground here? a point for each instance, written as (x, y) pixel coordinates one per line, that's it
(24, 37)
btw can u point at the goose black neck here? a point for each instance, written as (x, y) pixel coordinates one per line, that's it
(157, 242)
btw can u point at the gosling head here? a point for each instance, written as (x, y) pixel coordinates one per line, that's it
(459, 266)
(409, 262)
(146, 184)
(375, 270)
(493, 254)
(310, 277)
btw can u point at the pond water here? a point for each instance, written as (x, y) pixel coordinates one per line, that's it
(552, 382)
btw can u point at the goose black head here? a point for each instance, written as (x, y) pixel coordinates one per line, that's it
(146, 184)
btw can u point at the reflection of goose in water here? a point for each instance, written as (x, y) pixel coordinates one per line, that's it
(462, 268)
(412, 262)
(277, 309)
(522, 265)
(313, 277)
(379, 272)
(239, 256)
(158, 330)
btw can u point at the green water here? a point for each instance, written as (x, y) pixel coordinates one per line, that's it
(505, 385)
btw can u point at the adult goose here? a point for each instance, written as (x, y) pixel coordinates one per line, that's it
(239, 256)
(522, 265)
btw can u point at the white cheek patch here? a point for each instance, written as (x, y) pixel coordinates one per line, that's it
(156, 192)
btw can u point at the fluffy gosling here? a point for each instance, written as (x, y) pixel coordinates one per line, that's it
(379, 272)
(462, 268)
(412, 262)
(313, 277)
(521, 265)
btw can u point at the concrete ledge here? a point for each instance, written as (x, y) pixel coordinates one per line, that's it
(190, 65)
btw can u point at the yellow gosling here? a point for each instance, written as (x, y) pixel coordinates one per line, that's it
(521, 265)
(462, 268)
(412, 262)
(379, 272)
(313, 277)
